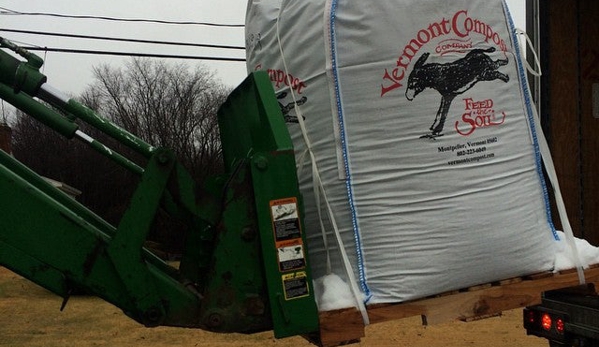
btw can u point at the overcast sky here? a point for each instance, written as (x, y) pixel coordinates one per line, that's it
(71, 73)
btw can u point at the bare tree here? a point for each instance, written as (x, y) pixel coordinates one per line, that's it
(166, 105)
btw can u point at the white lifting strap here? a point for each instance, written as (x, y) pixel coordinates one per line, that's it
(550, 169)
(320, 194)
(559, 200)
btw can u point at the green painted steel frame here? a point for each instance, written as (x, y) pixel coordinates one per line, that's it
(254, 135)
(231, 277)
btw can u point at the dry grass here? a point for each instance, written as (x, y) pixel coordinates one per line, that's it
(31, 317)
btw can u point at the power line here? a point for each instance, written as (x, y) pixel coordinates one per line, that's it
(6, 11)
(130, 54)
(120, 39)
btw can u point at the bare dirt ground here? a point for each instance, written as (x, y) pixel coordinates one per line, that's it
(30, 316)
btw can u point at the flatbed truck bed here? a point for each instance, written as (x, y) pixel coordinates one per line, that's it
(341, 326)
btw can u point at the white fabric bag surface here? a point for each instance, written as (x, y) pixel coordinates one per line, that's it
(420, 122)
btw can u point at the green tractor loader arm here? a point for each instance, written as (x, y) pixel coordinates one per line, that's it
(230, 278)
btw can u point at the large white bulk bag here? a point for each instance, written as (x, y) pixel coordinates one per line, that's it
(419, 120)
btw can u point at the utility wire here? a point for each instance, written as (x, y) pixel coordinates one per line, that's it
(6, 11)
(130, 54)
(120, 39)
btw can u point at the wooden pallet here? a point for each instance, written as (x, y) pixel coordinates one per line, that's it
(345, 326)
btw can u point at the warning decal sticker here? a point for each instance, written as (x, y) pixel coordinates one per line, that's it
(285, 219)
(296, 285)
(288, 235)
(291, 257)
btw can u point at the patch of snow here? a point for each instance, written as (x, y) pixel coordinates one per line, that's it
(564, 258)
(332, 293)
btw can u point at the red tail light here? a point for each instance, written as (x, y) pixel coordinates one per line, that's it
(546, 321)
(559, 325)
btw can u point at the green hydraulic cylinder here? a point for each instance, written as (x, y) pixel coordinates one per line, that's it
(107, 152)
(123, 136)
(21, 76)
(39, 111)
(21, 81)
(75, 109)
